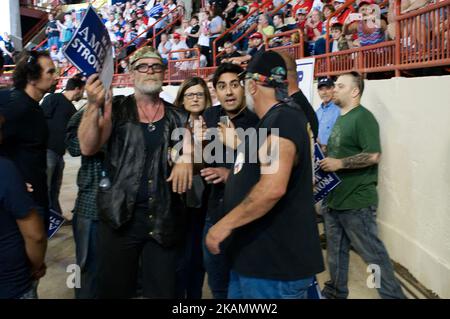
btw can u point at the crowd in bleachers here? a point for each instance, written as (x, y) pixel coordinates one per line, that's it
(165, 24)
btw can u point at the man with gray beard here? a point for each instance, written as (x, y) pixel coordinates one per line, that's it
(141, 217)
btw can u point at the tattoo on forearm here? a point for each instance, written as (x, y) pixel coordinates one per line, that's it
(358, 161)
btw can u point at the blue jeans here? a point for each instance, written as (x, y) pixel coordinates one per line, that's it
(55, 169)
(356, 228)
(53, 41)
(217, 268)
(242, 287)
(85, 236)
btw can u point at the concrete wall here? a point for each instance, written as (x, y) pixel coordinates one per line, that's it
(414, 181)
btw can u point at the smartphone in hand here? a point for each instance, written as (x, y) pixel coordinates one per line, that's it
(225, 120)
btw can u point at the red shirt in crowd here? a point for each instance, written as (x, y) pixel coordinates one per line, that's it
(307, 5)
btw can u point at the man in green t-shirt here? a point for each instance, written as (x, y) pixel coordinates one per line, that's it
(354, 153)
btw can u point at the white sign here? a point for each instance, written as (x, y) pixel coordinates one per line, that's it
(305, 76)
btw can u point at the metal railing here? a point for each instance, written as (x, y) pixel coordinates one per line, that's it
(186, 65)
(296, 49)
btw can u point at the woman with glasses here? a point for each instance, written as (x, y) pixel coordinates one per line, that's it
(193, 96)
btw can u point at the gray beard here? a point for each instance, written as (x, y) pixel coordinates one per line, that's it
(149, 89)
(250, 102)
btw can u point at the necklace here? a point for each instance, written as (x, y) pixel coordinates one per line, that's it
(151, 126)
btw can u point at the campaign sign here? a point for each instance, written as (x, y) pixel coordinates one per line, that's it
(90, 48)
(324, 182)
(56, 221)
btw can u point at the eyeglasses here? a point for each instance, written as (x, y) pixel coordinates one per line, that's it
(143, 68)
(190, 96)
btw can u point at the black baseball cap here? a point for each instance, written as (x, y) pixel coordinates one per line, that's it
(325, 82)
(268, 67)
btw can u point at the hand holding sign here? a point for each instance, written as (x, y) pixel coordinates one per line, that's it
(95, 91)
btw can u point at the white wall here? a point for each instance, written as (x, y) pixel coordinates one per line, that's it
(414, 174)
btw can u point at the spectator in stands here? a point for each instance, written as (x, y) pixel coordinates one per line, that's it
(164, 47)
(278, 23)
(313, 29)
(242, 4)
(256, 44)
(23, 239)
(129, 36)
(230, 52)
(216, 27)
(240, 29)
(371, 29)
(342, 17)
(163, 22)
(171, 4)
(230, 12)
(193, 33)
(177, 44)
(67, 28)
(301, 19)
(203, 39)
(123, 66)
(155, 10)
(354, 152)
(339, 41)
(56, 55)
(304, 4)
(264, 26)
(52, 31)
(319, 46)
(7, 47)
(203, 60)
(111, 22)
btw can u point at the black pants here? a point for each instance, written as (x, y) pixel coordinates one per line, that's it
(119, 252)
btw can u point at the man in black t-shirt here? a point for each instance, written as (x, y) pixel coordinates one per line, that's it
(52, 32)
(269, 230)
(25, 130)
(58, 109)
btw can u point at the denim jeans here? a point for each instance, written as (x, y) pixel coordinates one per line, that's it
(53, 41)
(85, 236)
(55, 169)
(243, 287)
(217, 268)
(356, 228)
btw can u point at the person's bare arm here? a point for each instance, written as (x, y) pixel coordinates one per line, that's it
(95, 129)
(262, 198)
(33, 232)
(417, 4)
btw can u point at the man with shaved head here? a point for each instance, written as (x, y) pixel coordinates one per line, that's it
(354, 153)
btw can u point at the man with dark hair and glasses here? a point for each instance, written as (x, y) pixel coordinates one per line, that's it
(230, 94)
(142, 216)
(25, 130)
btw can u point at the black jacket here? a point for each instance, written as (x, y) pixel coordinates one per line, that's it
(125, 161)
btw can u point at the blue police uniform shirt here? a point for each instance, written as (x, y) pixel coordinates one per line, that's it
(327, 114)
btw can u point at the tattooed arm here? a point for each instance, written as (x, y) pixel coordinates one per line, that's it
(261, 199)
(360, 160)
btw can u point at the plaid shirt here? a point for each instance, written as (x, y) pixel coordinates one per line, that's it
(89, 173)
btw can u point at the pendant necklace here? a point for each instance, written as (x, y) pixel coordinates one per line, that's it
(151, 126)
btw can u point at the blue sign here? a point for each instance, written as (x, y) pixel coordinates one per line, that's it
(90, 48)
(56, 221)
(324, 182)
